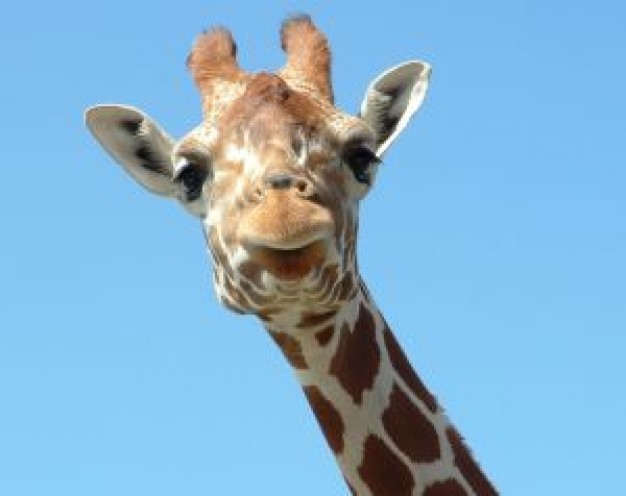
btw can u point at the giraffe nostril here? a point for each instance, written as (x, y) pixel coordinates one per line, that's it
(287, 181)
(279, 180)
(302, 186)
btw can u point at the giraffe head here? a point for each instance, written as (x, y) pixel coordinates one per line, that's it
(275, 171)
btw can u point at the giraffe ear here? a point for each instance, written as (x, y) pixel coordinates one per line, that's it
(137, 143)
(392, 98)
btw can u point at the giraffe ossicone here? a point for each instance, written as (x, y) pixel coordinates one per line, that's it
(275, 172)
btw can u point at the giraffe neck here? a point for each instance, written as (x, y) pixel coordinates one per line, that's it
(386, 430)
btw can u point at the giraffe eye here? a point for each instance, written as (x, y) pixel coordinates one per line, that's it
(192, 181)
(360, 159)
(191, 175)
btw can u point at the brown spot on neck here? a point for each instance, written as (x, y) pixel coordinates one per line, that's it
(468, 467)
(410, 430)
(401, 364)
(446, 488)
(291, 349)
(328, 418)
(382, 471)
(357, 360)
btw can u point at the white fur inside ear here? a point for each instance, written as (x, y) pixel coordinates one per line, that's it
(136, 142)
(392, 99)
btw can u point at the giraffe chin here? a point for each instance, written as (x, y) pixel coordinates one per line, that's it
(291, 264)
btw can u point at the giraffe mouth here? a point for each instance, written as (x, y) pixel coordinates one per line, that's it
(288, 262)
(292, 242)
(286, 236)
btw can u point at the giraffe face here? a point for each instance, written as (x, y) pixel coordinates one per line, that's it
(277, 181)
(275, 171)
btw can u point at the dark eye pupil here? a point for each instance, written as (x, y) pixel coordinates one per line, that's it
(360, 160)
(192, 179)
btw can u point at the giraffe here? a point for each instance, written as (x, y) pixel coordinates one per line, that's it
(275, 172)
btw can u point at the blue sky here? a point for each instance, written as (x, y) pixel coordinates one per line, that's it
(495, 243)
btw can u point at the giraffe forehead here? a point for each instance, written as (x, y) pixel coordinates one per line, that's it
(269, 91)
(266, 110)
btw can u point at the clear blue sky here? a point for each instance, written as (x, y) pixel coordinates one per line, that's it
(495, 243)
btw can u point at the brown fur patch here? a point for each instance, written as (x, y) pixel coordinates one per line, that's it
(410, 430)
(315, 319)
(446, 488)
(266, 87)
(273, 105)
(266, 315)
(382, 471)
(357, 359)
(403, 368)
(324, 336)
(328, 418)
(291, 349)
(468, 467)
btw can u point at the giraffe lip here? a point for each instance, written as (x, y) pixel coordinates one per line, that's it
(293, 245)
(284, 223)
(281, 251)
(287, 238)
(291, 261)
